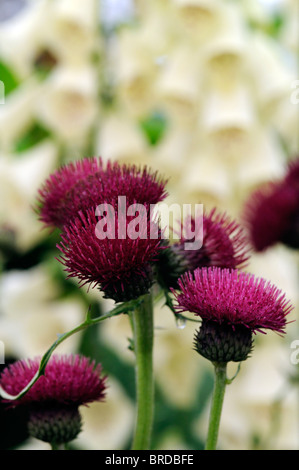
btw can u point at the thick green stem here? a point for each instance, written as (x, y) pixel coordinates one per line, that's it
(216, 407)
(142, 324)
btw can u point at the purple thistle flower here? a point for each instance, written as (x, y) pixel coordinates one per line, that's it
(122, 267)
(224, 245)
(271, 213)
(234, 297)
(292, 173)
(81, 185)
(53, 401)
(68, 380)
(232, 305)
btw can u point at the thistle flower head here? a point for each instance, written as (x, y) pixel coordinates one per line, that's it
(224, 244)
(68, 380)
(118, 262)
(271, 213)
(82, 185)
(232, 305)
(234, 297)
(271, 216)
(292, 173)
(53, 400)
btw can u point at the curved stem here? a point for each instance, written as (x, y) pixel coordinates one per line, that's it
(216, 407)
(142, 324)
(123, 308)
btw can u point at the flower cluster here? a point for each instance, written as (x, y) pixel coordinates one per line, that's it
(119, 264)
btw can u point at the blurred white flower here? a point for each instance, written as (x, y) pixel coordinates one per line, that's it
(71, 31)
(177, 366)
(224, 53)
(286, 120)
(119, 138)
(33, 316)
(20, 38)
(69, 102)
(17, 113)
(179, 83)
(171, 154)
(227, 109)
(280, 266)
(107, 425)
(263, 160)
(198, 19)
(271, 82)
(253, 396)
(135, 72)
(289, 32)
(20, 179)
(206, 180)
(116, 332)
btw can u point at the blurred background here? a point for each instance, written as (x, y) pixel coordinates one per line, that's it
(206, 92)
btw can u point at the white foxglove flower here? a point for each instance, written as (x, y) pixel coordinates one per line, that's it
(286, 120)
(171, 154)
(179, 83)
(107, 426)
(198, 19)
(71, 31)
(19, 181)
(33, 315)
(17, 113)
(272, 81)
(263, 160)
(206, 178)
(68, 105)
(171, 354)
(135, 68)
(20, 39)
(228, 109)
(223, 54)
(120, 139)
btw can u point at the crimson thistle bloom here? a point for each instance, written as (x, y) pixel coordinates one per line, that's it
(232, 305)
(121, 267)
(271, 213)
(224, 245)
(53, 401)
(84, 184)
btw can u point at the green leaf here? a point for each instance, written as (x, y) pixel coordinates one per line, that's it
(8, 78)
(34, 135)
(154, 127)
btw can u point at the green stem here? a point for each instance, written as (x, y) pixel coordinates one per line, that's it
(216, 407)
(55, 446)
(142, 324)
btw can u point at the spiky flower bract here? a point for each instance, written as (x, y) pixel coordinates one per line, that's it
(53, 400)
(84, 184)
(118, 263)
(231, 302)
